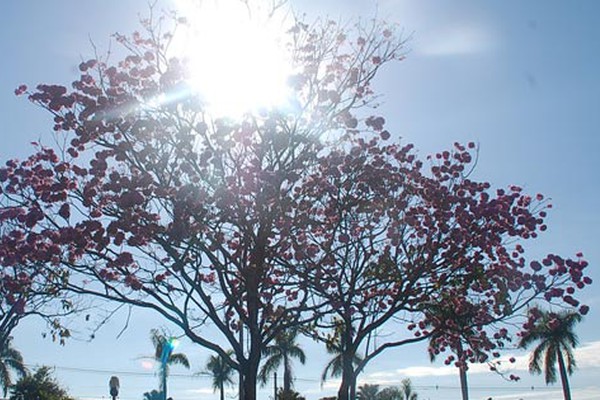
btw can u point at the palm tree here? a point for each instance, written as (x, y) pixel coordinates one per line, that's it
(221, 372)
(153, 395)
(456, 324)
(368, 392)
(335, 366)
(407, 390)
(281, 352)
(554, 332)
(10, 360)
(159, 339)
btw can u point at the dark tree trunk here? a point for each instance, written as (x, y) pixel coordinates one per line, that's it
(464, 388)
(563, 375)
(250, 382)
(346, 386)
(462, 372)
(287, 376)
(222, 388)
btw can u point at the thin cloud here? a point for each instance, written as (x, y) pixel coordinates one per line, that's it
(457, 40)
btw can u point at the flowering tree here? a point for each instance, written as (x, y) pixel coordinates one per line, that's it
(432, 248)
(31, 292)
(153, 203)
(253, 226)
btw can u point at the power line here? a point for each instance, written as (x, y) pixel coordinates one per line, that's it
(206, 375)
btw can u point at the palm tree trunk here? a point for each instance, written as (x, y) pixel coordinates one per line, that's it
(563, 375)
(462, 372)
(222, 389)
(287, 375)
(463, 383)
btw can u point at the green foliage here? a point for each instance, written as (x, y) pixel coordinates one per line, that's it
(160, 339)
(407, 390)
(391, 393)
(281, 352)
(153, 395)
(334, 346)
(39, 386)
(283, 394)
(368, 392)
(557, 339)
(220, 371)
(11, 360)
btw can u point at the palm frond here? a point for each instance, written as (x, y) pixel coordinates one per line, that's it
(268, 367)
(179, 359)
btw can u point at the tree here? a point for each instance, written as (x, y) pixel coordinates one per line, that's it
(390, 238)
(407, 390)
(281, 352)
(557, 339)
(278, 219)
(390, 393)
(283, 394)
(455, 327)
(10, 360)
(153, 395)
(334, 367)
(159, 340)
(41, 385)
(163, 206)
(221, 373)
(29, 291)
(368, 392)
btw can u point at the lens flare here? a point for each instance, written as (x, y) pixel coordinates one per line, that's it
(238, 62)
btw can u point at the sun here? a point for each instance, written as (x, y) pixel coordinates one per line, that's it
(238, 61)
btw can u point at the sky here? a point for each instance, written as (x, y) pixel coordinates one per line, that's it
(518, 78)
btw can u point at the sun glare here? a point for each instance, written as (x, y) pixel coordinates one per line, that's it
(238, 63)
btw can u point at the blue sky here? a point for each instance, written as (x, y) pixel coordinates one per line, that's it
(519, 78)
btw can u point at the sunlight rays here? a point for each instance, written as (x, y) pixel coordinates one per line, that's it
(237, 59)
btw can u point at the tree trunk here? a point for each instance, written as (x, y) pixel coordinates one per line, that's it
(222, 388)
(464, 388)
(353, 387)
(563, 375)
(287, 376)
(250, 382)
(462, 372)
(344, 392)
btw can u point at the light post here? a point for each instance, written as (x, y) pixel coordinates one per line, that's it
(113, 385)
(168, 347)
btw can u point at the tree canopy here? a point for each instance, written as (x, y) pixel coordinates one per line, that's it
(308, 217)
(39, 385)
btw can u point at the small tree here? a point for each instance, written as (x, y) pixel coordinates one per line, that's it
(391, 393)
(281, 352)
(407, 390)
(368, 392)
(159, 340)
(556, 339)
(153, 395)
(10, 360)
(221, 372)
(39, 386)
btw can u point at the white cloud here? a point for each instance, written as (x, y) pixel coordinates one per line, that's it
(587, 356)
(204, 390)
